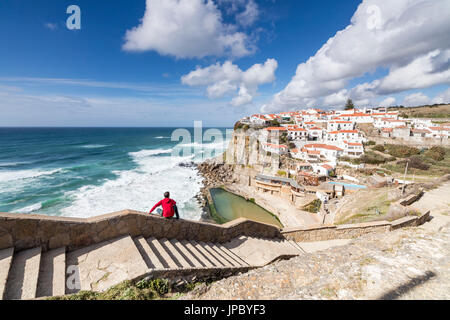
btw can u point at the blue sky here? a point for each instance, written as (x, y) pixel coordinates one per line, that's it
(214, 61)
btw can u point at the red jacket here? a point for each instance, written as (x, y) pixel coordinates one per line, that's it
(167, 205)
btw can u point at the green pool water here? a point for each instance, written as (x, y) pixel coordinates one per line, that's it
(230, 207)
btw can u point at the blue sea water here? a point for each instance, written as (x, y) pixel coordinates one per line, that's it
(83, 172)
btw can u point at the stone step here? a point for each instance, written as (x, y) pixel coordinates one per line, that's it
(201, 252)
(175, 255)
(197, 254)
(162, 254)
(23, 275)
(186, 254)
(258, 252)
(295, 245)
(233, 262)
(149, 256)
(219, 255)
(6, 256)
(201, 246)
(105, 264)
(234, 256)
(52, 273)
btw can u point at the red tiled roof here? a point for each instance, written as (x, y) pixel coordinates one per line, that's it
(276, 128)
(322, 146)
(278, 146)
(353, 143)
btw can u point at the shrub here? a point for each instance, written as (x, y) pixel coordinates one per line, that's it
(371, 158)
(238, 125)
(281, 173)
(436, 153)
(416, 163)
(371, 143)
(401, 151)
(379, 147)
(313, 206)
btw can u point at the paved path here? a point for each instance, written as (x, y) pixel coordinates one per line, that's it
(411, 263)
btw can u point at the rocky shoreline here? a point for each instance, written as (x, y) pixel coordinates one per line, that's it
(215, 174)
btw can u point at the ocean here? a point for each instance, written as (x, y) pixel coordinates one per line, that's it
(84, 172)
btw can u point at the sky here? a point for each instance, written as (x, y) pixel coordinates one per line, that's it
(167, 63)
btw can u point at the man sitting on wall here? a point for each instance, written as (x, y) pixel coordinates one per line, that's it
(169, 207)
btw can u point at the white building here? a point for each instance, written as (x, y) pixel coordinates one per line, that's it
(275, 148)
(340, 125)
(297, 133)
(344, 135)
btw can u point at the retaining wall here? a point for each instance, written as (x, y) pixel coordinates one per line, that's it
(29, 231)
(350, 231)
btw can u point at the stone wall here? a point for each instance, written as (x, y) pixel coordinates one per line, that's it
(29, 231)
(412, 141)
(350, 231)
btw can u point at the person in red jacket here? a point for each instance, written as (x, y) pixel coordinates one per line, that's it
(169, 207)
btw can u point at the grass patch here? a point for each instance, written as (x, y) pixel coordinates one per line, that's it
(145, 289)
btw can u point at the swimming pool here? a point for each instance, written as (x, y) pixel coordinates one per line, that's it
(230, 206)
(348, 185)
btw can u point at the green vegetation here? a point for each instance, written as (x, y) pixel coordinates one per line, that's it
(369, 157)
(313, 206)
(216, 217)
(274, 123)
(437, 111)
(349, 105)
(284, 138)
(371, 143)
(436, 153)
(281, 173)
(433, 162)
(401, 151)
(379, 148)
(130, 290)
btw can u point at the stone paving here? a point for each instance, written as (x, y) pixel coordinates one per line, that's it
(411, 263)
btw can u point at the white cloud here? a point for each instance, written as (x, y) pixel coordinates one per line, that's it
(388, 102)
(186, 29)
(443, 97)
(425, 71)
(222, 80)
(336, 99)
(416, 99)
(405, 36)
(249, 15)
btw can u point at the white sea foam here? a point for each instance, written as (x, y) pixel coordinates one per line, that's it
(7, 176)
(149, 152)
(141, 188)
(161, 137)
(95, 146)
(11, 164)
(30, 209)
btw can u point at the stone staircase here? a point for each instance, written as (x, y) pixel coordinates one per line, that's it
(32, 273)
